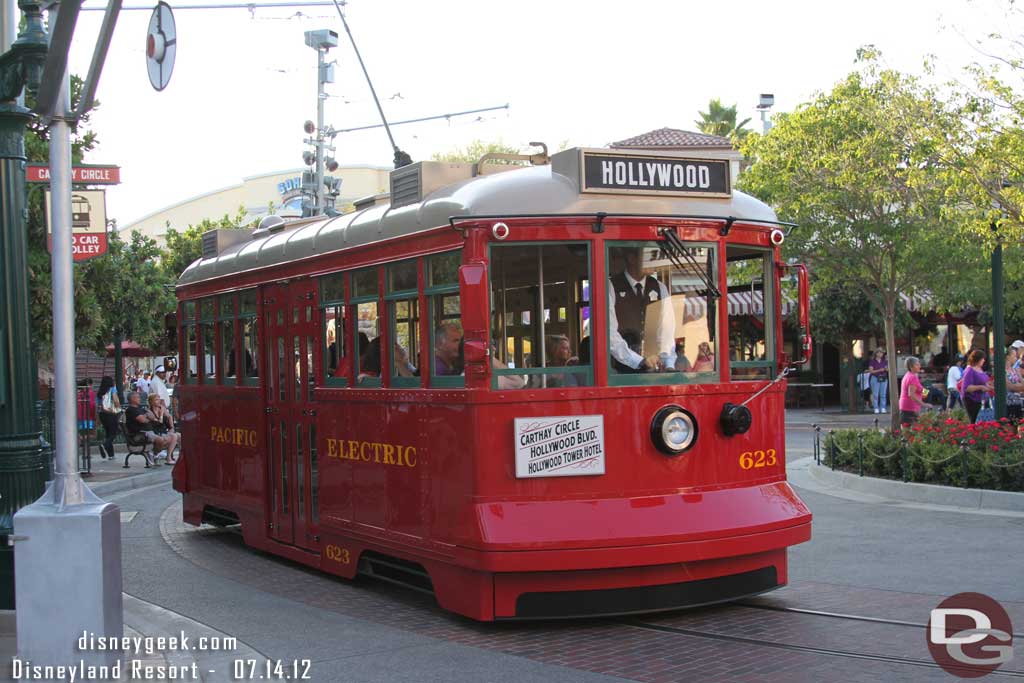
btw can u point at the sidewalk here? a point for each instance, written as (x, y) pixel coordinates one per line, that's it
(833, 417)
(111, 476)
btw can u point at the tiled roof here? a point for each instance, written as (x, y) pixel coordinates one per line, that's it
(672, 137)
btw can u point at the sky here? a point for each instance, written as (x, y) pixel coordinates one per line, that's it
(574, 72)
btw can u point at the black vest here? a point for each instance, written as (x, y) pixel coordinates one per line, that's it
(631, 309)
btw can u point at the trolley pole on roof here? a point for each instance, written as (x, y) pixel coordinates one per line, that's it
(23, 456)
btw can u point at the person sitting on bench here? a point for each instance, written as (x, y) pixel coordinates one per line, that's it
(138, 422)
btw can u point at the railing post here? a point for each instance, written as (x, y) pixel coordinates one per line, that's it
(817, 444)
(860, 453)
(904, 460)
(832, 448)
(963, 462)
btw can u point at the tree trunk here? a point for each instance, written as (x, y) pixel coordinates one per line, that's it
(853, 395)
(890, 349)
(119, 368)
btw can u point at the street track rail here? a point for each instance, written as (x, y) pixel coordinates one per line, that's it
(828, 652)
(839, 615)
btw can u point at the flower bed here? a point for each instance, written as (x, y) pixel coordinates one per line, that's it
(943, 448)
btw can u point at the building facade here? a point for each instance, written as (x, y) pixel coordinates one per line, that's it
(254, 195)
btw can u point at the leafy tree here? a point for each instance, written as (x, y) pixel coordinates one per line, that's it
(721, 120)
(187, 246)
(472, 153)
(134, 288)
(858, 169)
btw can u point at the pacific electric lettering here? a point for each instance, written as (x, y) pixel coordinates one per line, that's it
(372, 451)
(655, 174)
(235, 437)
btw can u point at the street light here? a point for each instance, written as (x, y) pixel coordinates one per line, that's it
(764, 105)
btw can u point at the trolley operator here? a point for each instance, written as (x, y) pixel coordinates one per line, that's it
(637, 302)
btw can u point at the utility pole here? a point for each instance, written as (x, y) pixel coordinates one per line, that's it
(68, 558)
(316, 204)
(23, 466)
(998, 329)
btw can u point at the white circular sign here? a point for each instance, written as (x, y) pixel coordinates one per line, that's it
(161, 46)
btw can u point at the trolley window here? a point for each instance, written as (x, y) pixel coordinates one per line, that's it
(540, 316)
(365, 298)
(228, 352)
(189, 352)
(751, 347)
(249, 337)
(208, 324)
(404, 322)
(442, 293)
(661, 318)
(335, 329)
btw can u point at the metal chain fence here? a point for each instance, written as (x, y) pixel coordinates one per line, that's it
(860, 456)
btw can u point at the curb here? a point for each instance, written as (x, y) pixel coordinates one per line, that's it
(913, 492)
(134, 481)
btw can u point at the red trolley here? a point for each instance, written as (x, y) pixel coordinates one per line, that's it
(547, 391)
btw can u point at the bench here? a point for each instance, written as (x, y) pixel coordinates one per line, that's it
(136, 444)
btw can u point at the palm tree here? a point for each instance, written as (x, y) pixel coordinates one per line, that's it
(721, 120)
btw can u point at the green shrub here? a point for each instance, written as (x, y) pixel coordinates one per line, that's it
(935, 451)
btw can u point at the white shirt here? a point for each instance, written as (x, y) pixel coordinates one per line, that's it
(618, 347)
(142, 385)
(953, 376)
(157, 386)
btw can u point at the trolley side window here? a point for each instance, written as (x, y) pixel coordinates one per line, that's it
(404, 322)
(335, 329)
(189, 353)
(540, 316)
(442, 294)
(366, 344)
(247, 329)
(208, 340)
(226, 317)
(751, 313)
(661, 317)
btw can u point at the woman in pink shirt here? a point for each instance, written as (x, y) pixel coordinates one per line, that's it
(911, 393)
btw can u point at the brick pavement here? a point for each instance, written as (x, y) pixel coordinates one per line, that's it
(616, 646)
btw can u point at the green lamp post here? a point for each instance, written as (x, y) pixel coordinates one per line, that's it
(22, 453)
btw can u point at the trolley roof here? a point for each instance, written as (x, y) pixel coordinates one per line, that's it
(549, 189)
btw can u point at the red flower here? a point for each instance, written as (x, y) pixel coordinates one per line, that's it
(995, 448)
(972, 442)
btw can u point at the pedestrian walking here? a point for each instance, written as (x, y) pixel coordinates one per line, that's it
(976, 385)
(110, 412)
(878, 369)
(953, 375)
(1014, 385)
(911, 393)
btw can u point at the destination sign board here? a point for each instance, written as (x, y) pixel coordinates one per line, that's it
(661, 175)
(80, 175)
(567, 446)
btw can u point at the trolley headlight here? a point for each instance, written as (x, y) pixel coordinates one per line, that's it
(673, 430)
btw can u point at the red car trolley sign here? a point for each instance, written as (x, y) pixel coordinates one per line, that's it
(88, 224)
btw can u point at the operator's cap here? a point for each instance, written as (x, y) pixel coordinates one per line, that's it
(160, 368)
